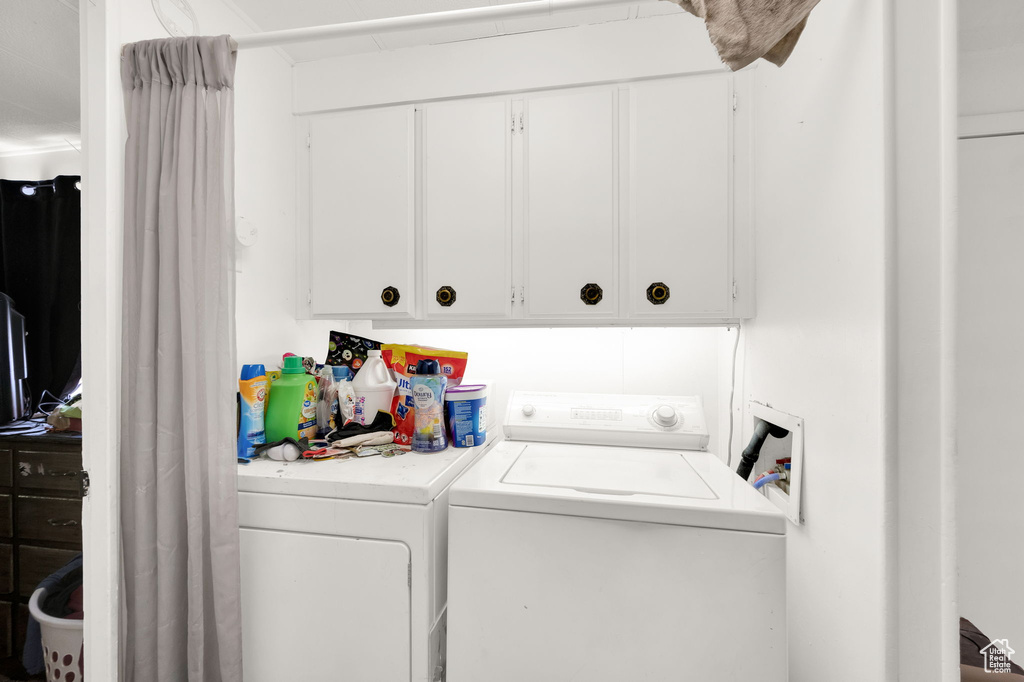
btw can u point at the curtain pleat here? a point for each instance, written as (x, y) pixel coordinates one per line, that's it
(178, 499)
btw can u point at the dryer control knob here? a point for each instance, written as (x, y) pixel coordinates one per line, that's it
(665, 416)
(529, 410)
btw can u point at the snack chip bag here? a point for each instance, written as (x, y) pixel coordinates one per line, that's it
(349, 350)
(401, 360)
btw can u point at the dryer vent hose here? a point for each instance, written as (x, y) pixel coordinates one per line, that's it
(762, 430)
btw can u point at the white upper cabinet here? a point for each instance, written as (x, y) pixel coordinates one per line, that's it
(679, 250)
(361, 213)
(467, 209)
(569, 223)
(615, 204)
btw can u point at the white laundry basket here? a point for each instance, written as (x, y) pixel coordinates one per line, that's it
(62, 642)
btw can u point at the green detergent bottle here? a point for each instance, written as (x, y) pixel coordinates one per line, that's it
(291, 405)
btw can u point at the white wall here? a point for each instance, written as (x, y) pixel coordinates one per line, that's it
(621, 50)
(922, 416)
(816, 348)
(673, 361)
(265, 165)
(990, 467)
(990, 80)
(41, 166)
(990, 507)
(664, 361)
(606, 360)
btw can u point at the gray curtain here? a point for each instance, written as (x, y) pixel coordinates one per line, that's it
(179, 509)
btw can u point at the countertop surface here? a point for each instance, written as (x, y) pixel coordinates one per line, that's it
(410, 478)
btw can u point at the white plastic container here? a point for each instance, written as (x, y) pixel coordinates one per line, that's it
(62, 641)
(374, 388)
(466, 409)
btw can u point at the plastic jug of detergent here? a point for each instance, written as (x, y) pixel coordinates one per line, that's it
(373, 387)
(253, 387)
(291, 407)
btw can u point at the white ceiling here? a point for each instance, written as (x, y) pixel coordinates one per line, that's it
(271, 15)
(39, 76)
(39, 80)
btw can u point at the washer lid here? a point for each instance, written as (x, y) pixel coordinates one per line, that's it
(685, 488)
(608, 471)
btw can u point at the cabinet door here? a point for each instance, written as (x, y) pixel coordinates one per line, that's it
(361, 213)
(570, 226)
(679, 230)
(467, 216)
(321, 607)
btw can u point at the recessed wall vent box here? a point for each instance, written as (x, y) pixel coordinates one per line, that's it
(788, 503)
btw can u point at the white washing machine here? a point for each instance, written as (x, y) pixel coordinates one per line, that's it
(344, 567)
(601, 542)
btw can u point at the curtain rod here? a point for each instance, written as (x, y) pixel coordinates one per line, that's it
(472, 15)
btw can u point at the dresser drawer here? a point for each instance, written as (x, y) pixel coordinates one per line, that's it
(19, 614)
(35, 564)
(6, 516)
(49, 469)
(6, 457)
(50, 518)
(6, 569)
(6, 630)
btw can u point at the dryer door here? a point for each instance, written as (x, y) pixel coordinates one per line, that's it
(321, 607)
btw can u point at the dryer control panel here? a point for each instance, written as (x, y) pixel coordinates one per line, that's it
(675, 422)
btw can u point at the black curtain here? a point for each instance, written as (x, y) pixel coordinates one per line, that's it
(41, 270)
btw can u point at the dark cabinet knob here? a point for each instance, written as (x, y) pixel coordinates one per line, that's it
(591, 294)
(390, 296)
(658, 293)
(445, 296)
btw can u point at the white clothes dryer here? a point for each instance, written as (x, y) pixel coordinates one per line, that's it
(344, 567)
(601, 542)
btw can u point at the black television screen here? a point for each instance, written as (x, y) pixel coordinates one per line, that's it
(14, 399)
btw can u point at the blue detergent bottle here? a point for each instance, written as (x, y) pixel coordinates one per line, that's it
(427, 387)
(252, 399)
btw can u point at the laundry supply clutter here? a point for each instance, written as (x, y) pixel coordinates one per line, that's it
(367, 398)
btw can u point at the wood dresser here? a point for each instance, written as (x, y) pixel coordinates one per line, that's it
(40, 524)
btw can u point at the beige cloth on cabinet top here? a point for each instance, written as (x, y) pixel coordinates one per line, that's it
(745, 30)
